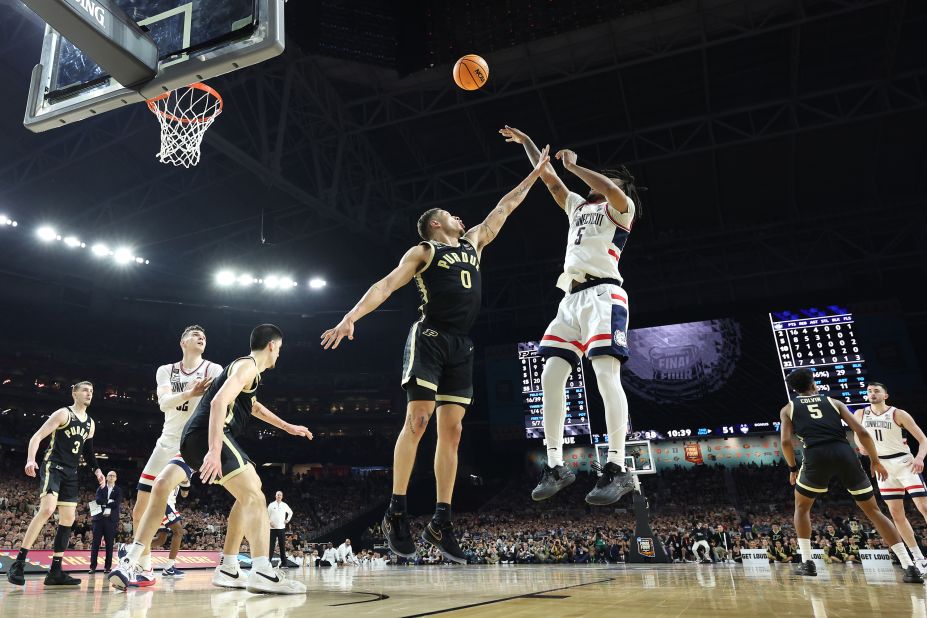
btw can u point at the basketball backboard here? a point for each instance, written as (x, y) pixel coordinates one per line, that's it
(638, 456)
(196, 40)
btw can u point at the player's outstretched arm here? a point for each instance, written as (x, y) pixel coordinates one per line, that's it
(484, 233)
(410, 264)
(241, 374)
(58, 418)
(906, 421)
(260, 411)
(90, 455)
(785, 440)
(549, 175)
(596, 181)
(863, 438)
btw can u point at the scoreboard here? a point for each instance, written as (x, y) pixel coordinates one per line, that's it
(823, 340)
(576, 429)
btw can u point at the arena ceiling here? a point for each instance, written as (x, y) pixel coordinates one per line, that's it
(782, 143)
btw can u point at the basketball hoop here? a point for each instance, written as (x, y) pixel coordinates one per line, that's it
(184, 115)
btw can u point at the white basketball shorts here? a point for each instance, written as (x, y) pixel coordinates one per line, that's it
(593, 321)
(901, 479)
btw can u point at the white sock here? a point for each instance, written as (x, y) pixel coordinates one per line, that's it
(553, 382)
(170, 564)
(916, 552)
(608, 375)
(145, 562)
(902, 554)
(261, 564)
(230, 562)
(804, 548)
(134, 553)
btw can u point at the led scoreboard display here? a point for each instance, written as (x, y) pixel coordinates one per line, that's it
(824, 341)
(576, 428)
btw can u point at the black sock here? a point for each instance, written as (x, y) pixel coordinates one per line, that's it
(397, 504)
(56, 563)
(442, 513)
(23, 552)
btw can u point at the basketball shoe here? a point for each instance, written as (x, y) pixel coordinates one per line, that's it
(226, 576)
(911, 576)
(273, 582)
(16, 573)
(57, 577)
(442, 537)
(807, 569)
(398, 534)
(172, 571)
(552, 480)
(613, 483)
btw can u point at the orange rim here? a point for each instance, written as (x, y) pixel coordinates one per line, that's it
(153, 105)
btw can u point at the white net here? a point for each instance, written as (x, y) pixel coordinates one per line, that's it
(185, 114)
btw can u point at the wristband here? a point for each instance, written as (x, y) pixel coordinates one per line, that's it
(793, 468)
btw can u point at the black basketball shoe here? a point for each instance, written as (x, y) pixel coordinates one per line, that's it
(611, 486)
(911, 576)
(15, 574)
(57, 577)
(807, 569)
(443, 538)
(398, 534)
(552, 480)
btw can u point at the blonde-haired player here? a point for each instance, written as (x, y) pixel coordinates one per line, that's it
(181, 385)
(884, 423)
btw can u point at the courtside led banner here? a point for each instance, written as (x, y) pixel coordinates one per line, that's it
(79, 560)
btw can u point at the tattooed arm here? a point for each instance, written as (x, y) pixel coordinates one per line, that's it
(410, 264)
(484, 233)
(549, 176)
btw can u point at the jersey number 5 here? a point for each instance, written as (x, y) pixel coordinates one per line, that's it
(579, 235)
(815, 410)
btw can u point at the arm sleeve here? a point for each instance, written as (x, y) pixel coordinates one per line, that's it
(89, 455)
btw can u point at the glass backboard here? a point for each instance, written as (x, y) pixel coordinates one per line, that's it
(196, 40)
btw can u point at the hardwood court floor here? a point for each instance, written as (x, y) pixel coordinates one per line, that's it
(505, 590)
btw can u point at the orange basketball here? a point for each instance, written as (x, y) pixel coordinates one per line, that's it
(471, 72)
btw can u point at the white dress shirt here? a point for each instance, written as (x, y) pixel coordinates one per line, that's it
(330, 555)
(280, 513)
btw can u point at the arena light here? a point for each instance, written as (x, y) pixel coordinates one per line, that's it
(73, 242)
(225, 278)
(272, 282)
(47, 234)
(317, 284)
(123, 255)
(4, 220)
(100, 250)
(245, 280)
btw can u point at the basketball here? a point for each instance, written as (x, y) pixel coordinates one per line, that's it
(471, 72)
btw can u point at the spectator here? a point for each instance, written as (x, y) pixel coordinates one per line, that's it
(105, 522)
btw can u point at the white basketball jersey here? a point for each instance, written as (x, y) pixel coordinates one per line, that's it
(598, 234)
(885, 432)
(176, 417)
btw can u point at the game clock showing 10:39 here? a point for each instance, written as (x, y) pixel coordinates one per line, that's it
(823, 340)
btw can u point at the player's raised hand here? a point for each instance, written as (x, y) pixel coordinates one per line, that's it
(878, 470)
(333, 336)
(917, 466)
(211, 468)
(298, 430)
(542, 161)
(31, 468)
(567, 156)
(511, 134)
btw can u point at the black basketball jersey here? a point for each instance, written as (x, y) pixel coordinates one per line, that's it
(450, 287)
(239, 411)
(67, 441)
(816, 420)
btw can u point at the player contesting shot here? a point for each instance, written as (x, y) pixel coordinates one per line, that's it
(815, 419)
(438, 357)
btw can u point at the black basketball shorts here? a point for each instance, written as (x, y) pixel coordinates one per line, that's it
(59, 480)
(826, 461)
(437, 366)
(234, 460)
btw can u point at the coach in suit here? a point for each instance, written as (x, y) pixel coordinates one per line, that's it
(105, 523)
